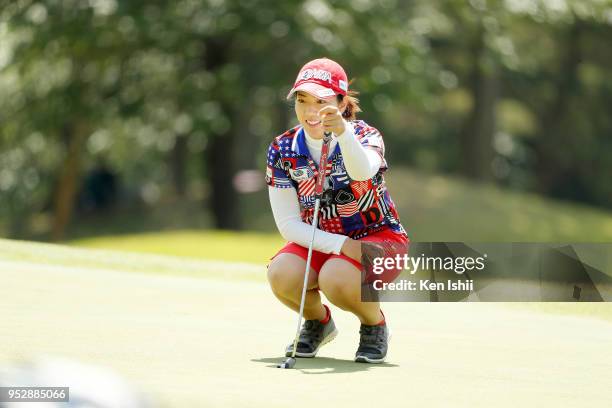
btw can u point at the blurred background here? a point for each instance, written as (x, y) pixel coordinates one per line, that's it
(144, 124)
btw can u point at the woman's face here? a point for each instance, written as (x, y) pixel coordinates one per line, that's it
(307, 109)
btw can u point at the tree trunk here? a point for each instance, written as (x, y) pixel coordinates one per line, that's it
(219, 156)
(178, 159)
(554, 141)
(476, 137)
(223, 200)
(74, 135)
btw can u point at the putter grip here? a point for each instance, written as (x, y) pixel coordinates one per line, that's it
(322, 164)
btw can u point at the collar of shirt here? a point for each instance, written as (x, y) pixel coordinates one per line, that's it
(300, 146)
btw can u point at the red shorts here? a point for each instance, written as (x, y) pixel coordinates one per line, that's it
(319, 258)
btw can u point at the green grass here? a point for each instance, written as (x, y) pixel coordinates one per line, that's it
(601, 310)
(216, 245)
(84, 260)
(250, 247)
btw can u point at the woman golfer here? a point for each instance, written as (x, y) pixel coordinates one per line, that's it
(355, 208)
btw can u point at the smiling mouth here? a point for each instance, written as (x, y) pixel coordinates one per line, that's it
(313, 122)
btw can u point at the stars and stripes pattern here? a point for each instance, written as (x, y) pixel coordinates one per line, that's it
(366, 201)
(338, 172)
(307, 215)
(349, 214)
(329, 211)
(384, 207)
(272, 154)
(333, 225)
(306, 187)
(275, 174)
(347, 210)
(360, 187)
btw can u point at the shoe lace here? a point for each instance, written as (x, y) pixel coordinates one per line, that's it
(310, 328)
(371, 335)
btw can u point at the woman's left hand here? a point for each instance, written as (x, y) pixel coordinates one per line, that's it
(332, 120)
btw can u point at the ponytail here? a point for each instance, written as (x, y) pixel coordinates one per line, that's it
(352, 105)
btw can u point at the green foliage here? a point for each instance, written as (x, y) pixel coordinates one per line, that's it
(435, 208)
(137, 76)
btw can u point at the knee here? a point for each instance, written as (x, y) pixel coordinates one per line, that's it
(334, 288)
(281, 280)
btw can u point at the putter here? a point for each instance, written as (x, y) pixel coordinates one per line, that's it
(290, 362)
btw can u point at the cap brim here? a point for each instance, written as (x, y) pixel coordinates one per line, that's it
(314, 89)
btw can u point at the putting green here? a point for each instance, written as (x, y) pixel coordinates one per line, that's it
(190, 340)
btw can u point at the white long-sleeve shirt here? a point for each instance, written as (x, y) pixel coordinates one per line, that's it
(361, 164)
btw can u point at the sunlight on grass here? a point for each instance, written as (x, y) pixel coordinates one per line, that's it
(602, 310)
(212, 245)
(234, 247)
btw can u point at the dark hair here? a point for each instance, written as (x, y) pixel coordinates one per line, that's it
(352, 105)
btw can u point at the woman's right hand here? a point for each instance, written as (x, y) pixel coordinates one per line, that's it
(352, 249)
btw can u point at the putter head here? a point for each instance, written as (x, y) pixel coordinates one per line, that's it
(288, 363)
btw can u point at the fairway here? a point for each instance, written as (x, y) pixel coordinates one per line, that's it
(193, 340)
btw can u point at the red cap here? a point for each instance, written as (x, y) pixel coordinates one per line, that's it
(322, 78)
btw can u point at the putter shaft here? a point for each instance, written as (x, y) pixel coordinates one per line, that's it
(318, 192)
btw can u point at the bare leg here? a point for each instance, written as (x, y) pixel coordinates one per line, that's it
(341, 282)
(286, 276)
